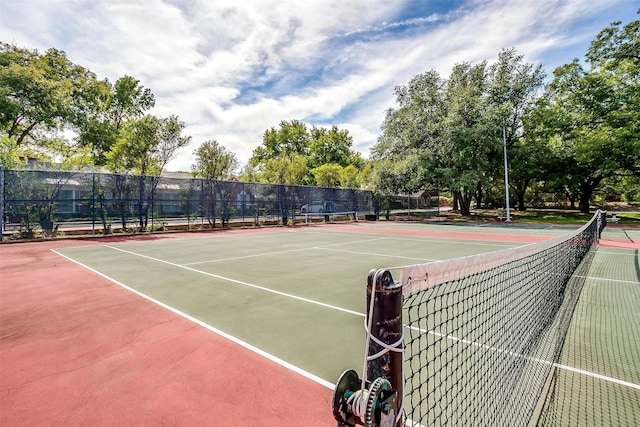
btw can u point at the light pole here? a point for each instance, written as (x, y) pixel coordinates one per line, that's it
(506, 174)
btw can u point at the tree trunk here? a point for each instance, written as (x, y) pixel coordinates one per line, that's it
(140, 201)
(520, 196)
(521, 192)
(478, 195)
(586, 191)
(465, 202)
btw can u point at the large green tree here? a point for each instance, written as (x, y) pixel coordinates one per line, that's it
(514, 88)
(404, 157)
(443, 128)
(330, 146)
(468, 149)
(285, 169)
(290, 138)
(144, 148)
(592, 116)
(214, 161)
(115, 104)
(42, 94)
(292, 150)
(452, 130)
(328, 175)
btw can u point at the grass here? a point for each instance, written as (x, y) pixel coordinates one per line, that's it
(549, 216)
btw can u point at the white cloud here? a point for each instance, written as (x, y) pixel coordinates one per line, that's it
(232, 69)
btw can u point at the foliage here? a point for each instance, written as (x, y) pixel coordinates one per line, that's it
(147, 145)
(10, 153)
(327, 175)
(40, 92)
(350, 177)
(115, 104)
(45, 94)
(214, 161)
(286, 169)
(331, 146)
(515, 86)
(291, 138)
(592, 117)
(450, 131)
(295, 151)
(145, 148)
(579, 137)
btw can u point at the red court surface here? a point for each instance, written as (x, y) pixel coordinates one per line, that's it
(78, 350)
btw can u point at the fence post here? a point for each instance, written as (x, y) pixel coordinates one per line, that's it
(1, 202)
(93, 204)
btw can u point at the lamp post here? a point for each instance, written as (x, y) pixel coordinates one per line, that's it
(506, 174)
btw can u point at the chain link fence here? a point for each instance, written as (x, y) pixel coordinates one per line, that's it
(44, 202)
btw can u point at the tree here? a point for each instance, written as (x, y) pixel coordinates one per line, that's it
(129, 100)
(114, 104)
(311, 149)
(291, 138)
(350, 177)
(331, 146)
(514, 87)
(145, 148)
(469, 144)
(41, 92)
(214, 161)
(444, 131)
(10, 153)
(405, 155)
(593, 116)
(327, 175)
(287, 170)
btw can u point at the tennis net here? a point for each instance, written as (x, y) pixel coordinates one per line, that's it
(482, 333)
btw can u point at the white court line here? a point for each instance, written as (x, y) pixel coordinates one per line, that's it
(610, 379)
(608, 280)
(427, 239)
(373, 254)
(244, 344)
(245, 256)
(598, 376)
(514, 354)
(281, 252)
(286, 364)
(623, 252)
(240, 282)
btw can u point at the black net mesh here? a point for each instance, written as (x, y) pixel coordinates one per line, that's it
(479, 349)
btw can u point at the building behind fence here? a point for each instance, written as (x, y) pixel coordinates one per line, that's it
(43, 200)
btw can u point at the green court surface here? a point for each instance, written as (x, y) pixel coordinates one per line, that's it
(298, 294)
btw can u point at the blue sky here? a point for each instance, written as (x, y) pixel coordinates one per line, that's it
(231, 69)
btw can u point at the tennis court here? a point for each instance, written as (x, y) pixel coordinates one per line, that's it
(296, 296)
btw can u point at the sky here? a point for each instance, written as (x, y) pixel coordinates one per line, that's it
(232, 69)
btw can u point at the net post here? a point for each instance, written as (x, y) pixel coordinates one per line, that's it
(384, 317)
(602, 222)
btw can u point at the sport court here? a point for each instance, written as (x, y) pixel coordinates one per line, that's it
(297, 297)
